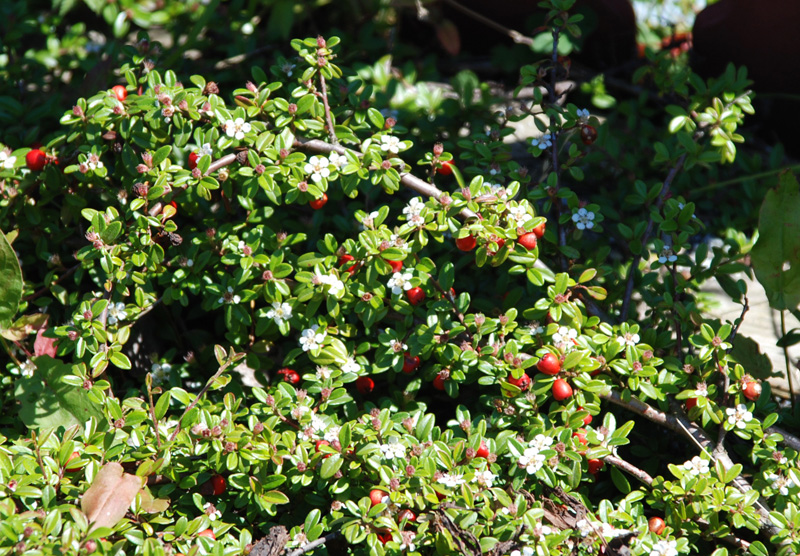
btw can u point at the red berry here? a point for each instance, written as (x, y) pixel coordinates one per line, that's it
(656, 525)
(466, 243)
(36, 159)
(120, 92)
(376, 496)
(580, 434)
(407, 515)
(752, 391)
(289, 375)
(549, 364)
(451, 294)
(410, 363)
(384, 537)
(561, 389)
(539, 230)
(446, 168)
(595, 465)
(193, 158)
(346, 258)
(322, 443)
(438, 382)
(528, 241)
(690, 403)
(397, 266)
(72, 456)
(492, 252)
(365, 385)
(522, 382)
(587, 419)
(483, 451)
(207, 533)
(219, 484)
(588, 134)
(317, 204)
(416, 295)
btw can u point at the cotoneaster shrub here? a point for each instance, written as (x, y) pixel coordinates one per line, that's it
(431, 379)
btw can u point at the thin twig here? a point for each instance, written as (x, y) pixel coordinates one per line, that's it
(739, 321)
(515, 36)
(407, 180)
(630, 469)
(44, 289)
(189, 407)
(789, 439)
(153, 413)
(786, 360)
(678, 422)
(328, 115)
(308, 547)
(662, 195)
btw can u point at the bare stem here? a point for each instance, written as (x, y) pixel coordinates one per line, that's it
(630, 469)
(515, 36)
(153, 414)
(662, 195)
(328, 116)
(786, 361)
(308, 547)
(189, 407)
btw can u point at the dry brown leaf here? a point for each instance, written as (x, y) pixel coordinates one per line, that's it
(110, 495)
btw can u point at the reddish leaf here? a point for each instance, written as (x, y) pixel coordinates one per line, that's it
(448, 36)
(43, 345)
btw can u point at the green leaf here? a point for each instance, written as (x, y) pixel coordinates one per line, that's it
(48, 402)
(620, 481)
(775, 254)
(10, 282)
(275, 497)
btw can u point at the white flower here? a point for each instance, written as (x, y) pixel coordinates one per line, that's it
(628, 340)
(484, 478)
(7, 161)
(665, 548)
(332, 433)
(696, 466)
(531, 460)
(408, 540)
(160, 372)
(452, 481)
(413, 211)
(390, 143)
(739, 416)
(287, 68)
(564, 334)
(236, 128)
(780, 483)
(212, 512)
(369, 220)
(323, 373)
(400, 281)
(206, 149)
(116, 312)
(541, 442)
(583, 219)
(310, 339)
(94, 162)
(393, 449)
(519, 214)
(526, 551)
(351, 366)
(667, 255)
(298, 540)
(229, 296)
(336, 285)
(542, 142)
(583, 114)
(317, 166)
(702, 390)
(393, 345)
(584, 527)
(338, 160)
(27, 368)
(535, 328)
(280, 312)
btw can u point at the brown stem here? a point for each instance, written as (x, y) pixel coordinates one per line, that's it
(407, 180)
(630, 469)
(308, 547)
(70, 271)
(515, 36)
(662, 196)
(678, 423)
(328, 116)
(197, 399)
(153, 414)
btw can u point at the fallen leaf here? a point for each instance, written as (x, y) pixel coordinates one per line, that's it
(44, 345)
(110, 495)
